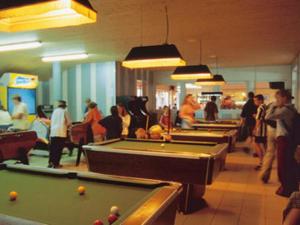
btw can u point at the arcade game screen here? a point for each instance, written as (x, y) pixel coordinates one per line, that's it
(28, 97)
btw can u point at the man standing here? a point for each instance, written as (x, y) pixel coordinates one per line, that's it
(260, 130)
(60, 121)
(247, 115)
(20, 114)
(285, 113)
(211, 110)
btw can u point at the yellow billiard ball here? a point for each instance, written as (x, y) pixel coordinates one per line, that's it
(81, 190)
(13, 195)
(162, 145)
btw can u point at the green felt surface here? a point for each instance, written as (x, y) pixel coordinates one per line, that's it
(172, 147)
(55, 201)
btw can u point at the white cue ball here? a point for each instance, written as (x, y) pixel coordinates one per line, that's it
(114, 210)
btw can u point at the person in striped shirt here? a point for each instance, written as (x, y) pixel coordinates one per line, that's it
(260, 130)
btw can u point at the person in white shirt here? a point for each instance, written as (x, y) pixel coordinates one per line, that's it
(60, 122)
(20, 114)
(5, 119)
(126, 119)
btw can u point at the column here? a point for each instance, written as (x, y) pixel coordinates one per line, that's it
(57, 81)
(182, 92)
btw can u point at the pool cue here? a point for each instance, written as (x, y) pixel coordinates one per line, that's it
(169, 122)
(147, 123)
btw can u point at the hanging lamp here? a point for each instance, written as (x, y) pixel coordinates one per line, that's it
(214, 81)
(192, 72)
(165, 55)
(24, 15)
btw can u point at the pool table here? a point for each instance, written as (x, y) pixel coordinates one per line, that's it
(218, 125)
(16, 145)
(48, 196)
(195, 165)
(218, 136)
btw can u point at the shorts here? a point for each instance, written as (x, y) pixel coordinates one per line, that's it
(260, 140)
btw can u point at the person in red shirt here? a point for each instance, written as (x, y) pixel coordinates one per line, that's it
(164, 120)
(93, 116)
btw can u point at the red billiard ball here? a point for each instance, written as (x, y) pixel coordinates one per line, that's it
(98, 222)
(112, 218)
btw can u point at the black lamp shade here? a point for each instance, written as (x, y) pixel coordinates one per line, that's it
(153, 56)
(216, 80)
(192, 72)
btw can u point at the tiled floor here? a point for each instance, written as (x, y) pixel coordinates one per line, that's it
(237, 197)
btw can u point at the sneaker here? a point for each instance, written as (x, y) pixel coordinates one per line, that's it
(258, 167)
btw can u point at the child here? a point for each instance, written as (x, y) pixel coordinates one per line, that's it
(164, 120)
(260, 130)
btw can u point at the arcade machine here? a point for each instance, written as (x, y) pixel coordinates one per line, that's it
(24, 85)
(140, 117)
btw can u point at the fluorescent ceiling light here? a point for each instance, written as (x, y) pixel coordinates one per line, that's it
(153, 56)
(23, 15)
(192, 73)
(59, 58)
(20, 46)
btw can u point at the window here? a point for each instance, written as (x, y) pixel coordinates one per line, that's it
(139, 88)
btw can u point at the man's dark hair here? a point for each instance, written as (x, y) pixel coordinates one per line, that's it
(18, 98)
(213, 98)
(114, 111)
(251, 95)
(260, 97)
(92, 105)
(62, 104)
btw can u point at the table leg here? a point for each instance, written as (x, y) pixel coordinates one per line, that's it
(191, 198)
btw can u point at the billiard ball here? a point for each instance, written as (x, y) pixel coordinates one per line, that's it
(114, 210)
(112, 218)
(162, 145)
(98, 222)
(81, 190)
(13, 195)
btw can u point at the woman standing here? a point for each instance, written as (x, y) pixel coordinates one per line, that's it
(93, 116)
(126, 119)
(187, 111)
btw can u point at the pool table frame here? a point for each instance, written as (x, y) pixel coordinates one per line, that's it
(229, 136)
(158, 209)
(193, 170)
(219, 125)
(16, 145)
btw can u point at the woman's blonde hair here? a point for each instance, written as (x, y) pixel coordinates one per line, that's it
(186, 98)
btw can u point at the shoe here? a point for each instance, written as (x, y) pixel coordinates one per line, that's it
(50, 165)
(257, 167)
(58, 166)
(265, 180)
(283, 193)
